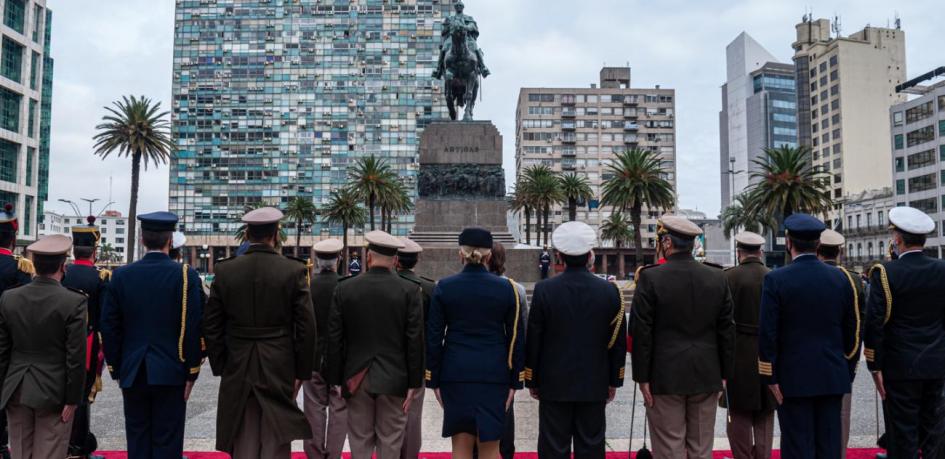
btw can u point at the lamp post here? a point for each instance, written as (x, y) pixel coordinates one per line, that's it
(90, 201)
(731, 198)
(75, 208)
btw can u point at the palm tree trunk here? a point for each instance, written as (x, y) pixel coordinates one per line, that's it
(635, 217)
(298, 237)
(344, 250)
(572, 209)
(371, 201)
(545, 227)
(528, 225)
(621, 264)
(133, 206)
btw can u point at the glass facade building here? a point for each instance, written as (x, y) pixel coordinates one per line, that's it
(276, 99)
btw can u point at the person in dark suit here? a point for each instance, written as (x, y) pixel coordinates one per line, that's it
(84, 276)
(905, 339)
(683, 340)
(15, 271)
(375, 349)
(324, 405)
(750, 404)
(151, 337)
(544, 263)
(475, 349)
(575, 350)
(808, 340)
(42, 355)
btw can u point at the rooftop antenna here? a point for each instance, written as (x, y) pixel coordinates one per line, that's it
(835, 27)
(898, 21)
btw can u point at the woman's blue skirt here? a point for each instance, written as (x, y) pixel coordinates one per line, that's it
(474, 408)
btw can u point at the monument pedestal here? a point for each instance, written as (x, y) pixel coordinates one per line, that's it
(462, 184)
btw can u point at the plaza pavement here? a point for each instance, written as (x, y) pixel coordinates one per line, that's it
(108, 419)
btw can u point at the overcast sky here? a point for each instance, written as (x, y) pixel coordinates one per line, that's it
(108, 48)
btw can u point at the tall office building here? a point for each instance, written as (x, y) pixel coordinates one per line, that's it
(759, 110)
(845, 86)
(580, 129)
(25, 110)
(276, 99)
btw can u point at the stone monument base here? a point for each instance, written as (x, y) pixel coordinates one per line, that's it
(521, 264)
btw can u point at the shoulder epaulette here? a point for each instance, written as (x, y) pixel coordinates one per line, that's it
(713, 265)
(104, 274)
(80, 292)
(25, 265)
(415, 281)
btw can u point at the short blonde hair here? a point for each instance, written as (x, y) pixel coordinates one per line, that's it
(474, 255)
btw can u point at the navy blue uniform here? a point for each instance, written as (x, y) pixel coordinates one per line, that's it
(354, 268)
(152, 346)
(807, 343)
(905, 340)
(475, 350)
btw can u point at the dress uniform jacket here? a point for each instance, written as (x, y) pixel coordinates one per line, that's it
(11, 275)
(576, 347)
(905, 331)
(323, 292)
(683, 334)
(376, 324)
(808, 326)
(42, 345)
(260, 334)
(426, 286)
(745, 389)
(92, 282)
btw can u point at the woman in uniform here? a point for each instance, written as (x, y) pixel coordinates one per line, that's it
(475, 349)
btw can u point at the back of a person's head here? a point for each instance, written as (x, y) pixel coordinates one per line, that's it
(497, 260)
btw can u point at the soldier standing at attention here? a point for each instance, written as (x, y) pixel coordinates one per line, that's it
(14, 272)
(375, 349)
(42, 355)
(807, 343)
(260, 334)
(905, 339)
(683, 339)
(407, 259)
(354, 268)
(325, 407)
(151, 337)
(544, 263)
(750, 404)
(575, 350)
(84, 276)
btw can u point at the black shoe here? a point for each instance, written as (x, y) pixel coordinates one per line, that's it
(880, 455)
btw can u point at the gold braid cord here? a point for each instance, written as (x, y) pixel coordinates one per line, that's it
(887, 292)
(183, 318)
(25, 265)
(856, 310)
(618, 321)
(518, 309)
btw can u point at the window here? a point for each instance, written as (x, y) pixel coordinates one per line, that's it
(835, 105)
(900, 186)
(834, 90)
(849, 221)
(37, 23)
(11, 60)
(919, 113)
(785, 118)
(823, 67)
(899, 142)
(928, 206)
(879, 218)
(941, 128)
(869, 249)
(785, 131)
(8, 156)
(34, 71)
(882, 249)
(897, 119)
(30, 153)
(14, 14)
(941, 153)
(119, 231)
(28, 216)
(834, 60)
(784, 104)
(921, 159)
(858, 220)
(541, 97)
(31, 119)
(920, 136)
(900, 165)
(10, 110)
(922, 183)
(119, 240)
(834, 75)
(869, 219)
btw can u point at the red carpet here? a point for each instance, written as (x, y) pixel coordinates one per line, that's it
(851, 454)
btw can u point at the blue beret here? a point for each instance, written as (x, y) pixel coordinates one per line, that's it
(158, 222)
(804, 227)
(476, 237)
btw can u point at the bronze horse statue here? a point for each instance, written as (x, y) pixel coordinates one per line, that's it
(462, 74)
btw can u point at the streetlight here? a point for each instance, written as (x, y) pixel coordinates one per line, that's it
(75, 208)
(90, 201)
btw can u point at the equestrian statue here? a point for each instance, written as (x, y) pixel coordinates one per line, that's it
(461, 62)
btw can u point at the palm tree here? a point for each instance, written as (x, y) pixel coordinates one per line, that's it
(370, 178)
(106, 254)
(739, 216)
(575, 189)
(135, 127)
(521, 202)
(240, 234)
(394, 201)
(301, 211)
(544, 190)
(617, 228)
(344, 208)
(638, 181)
(786, 182)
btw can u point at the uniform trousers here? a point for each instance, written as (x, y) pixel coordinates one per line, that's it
(413, 434)
(327, 413)
(79, 438)
(154, 419)
(36, 434)
(560, 423)
(375, 422)
(256, 439)
(916, 416)
(845, 414)
(751, 434)
(683, 426)
(810, 427)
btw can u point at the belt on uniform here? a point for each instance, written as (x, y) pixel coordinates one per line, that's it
(746, 329)
(256, 333)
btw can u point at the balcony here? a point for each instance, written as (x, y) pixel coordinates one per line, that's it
(631, 127)
(631, 139)
(569, 153)
(568, 113)
(630, 100)
(568, 100)
(870, 230)
(568, 125)
(568, 165)
(569, 137)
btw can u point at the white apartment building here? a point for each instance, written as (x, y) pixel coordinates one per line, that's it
(111, 223)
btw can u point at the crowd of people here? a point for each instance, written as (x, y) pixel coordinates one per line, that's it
(363, 349)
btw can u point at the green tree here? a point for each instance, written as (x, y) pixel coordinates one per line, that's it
(786, 182)
(544, 191)
(522, 202)
(371, 179)
(107, 254)
(395, 201)
(240, 234)
(135, 127)
(638, 180)
(739, 217)
(301, 211)
(344, 209)
(575, 189)
(618, 229)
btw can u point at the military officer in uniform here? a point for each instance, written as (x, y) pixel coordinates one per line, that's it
(575, 350)
(42, 355)
(14, 272)
(324, 405)
(905, 339)
(375, 349)
(151, 337)
(683, 340)
(808, 341)
(354, 268)
(84, 276)
(750, 404)
(261, 337)
(407, 259)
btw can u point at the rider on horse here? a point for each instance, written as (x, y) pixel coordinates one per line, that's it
(472, 34)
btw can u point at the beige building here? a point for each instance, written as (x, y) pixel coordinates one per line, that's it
(866, 227)
(845, 88)
(580, 129)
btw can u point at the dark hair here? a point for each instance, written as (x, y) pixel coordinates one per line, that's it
(497, 262)
(156, 240)
(828, 252)
(47, 265)
(82, 252)
(175, 254)
(913, 240)
(682, 244)
(259, 233)
(7, 238)
(803, 246)
(407, 261)
(576, 261)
